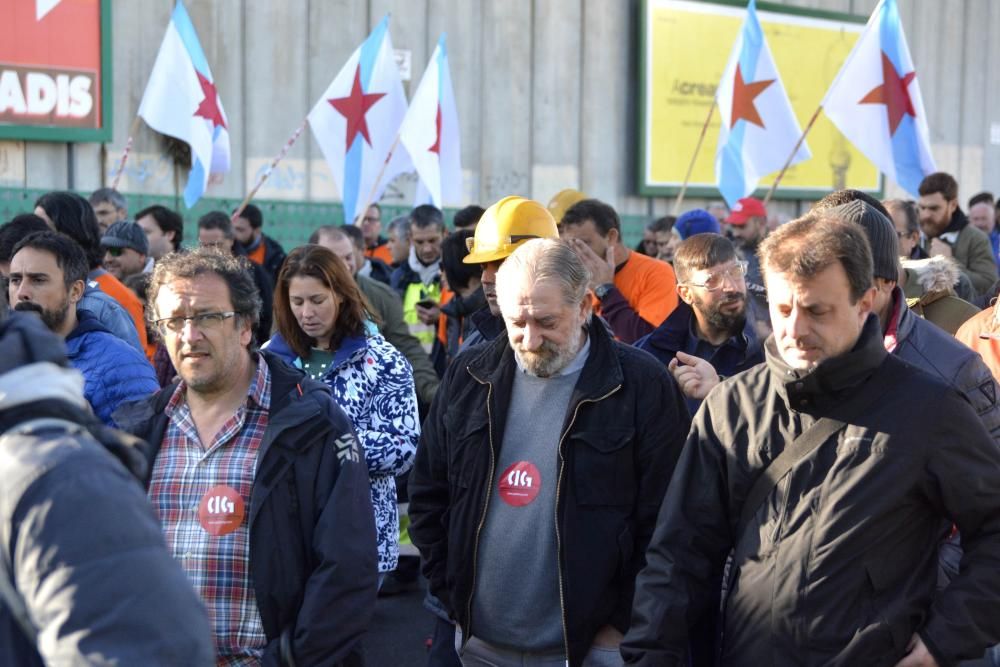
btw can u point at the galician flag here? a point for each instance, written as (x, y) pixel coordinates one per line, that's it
(430, 132)
(758, 130)
(181, 101)
(875, 101)
(357, 119)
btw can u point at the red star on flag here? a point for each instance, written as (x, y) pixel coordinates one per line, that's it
(354, 107)
(893, 93)
(436, 148)
(209, 107)
(743, 97)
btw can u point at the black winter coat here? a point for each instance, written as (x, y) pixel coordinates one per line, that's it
(838, 566)
(620, 441)
(312, 530)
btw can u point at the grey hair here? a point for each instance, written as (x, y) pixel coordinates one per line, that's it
(110, 195)
(401, 225)
(547, 259)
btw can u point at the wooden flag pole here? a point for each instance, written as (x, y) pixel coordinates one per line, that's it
(128, 149)
(267, 172)
(788, 162)
(381, 173)
(697, 149)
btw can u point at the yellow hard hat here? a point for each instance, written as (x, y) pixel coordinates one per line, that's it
(505, 226)
(563, 200)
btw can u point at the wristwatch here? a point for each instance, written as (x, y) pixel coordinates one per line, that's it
(601, 290)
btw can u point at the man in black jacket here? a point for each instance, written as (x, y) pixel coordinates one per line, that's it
(85, 577)
(540, 470)
(256, 476)
(834, 558)
(258, 247)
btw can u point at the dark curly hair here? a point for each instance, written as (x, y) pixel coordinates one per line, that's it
(235, 271)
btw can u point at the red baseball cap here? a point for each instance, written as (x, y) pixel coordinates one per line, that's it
(746, 208)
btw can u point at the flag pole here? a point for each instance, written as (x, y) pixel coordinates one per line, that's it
(267, 172)
(788, 162)
(697, 149)
(128, 148)
(381, 173)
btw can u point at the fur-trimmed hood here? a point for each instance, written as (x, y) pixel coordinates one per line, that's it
(934, 274)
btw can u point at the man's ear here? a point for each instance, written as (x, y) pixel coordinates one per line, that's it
(867, 302)
(684, 292)
(76, 291)
(613, 236)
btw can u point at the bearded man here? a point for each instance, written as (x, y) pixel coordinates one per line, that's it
(709, 336)
(541, 468)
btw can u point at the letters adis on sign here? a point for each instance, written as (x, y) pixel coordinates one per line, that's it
(51, 67)
(687, 45)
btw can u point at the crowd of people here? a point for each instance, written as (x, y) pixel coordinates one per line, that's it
(737, 443)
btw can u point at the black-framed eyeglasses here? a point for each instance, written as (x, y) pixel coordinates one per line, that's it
(114, 252)
(202, 322)
(717, 279)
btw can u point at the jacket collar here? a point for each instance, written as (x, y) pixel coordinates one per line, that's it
(833, 379)
(487, 324)
(907, 319)
(85, 323)
(601, 374)
(460, 306)
(959, 221)
(350, 348)
(674, 333)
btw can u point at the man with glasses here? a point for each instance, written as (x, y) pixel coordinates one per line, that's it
(708, 337)
(376, 245)
(257, 477)
(48, 274)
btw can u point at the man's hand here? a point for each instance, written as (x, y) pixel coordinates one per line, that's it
(939, 247)
(428, 316)
(608, 637)
(694, 375)
(602, 270)
(917, 654)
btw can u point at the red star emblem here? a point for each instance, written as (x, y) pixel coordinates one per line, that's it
(743, 97)
(209, 107)
(354, 107)
(436, 148)
(893, 93)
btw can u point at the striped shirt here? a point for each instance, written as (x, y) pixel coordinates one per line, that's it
(185, 491)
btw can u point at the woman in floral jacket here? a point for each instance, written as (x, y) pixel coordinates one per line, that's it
(324, 327)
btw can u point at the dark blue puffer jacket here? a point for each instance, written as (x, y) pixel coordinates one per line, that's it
(113, 371)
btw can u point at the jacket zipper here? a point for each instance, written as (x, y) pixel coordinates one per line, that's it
(562, 466)
(467, 632)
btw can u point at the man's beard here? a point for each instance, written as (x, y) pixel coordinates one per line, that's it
(549, 359)
(53, 319)
(731, 323)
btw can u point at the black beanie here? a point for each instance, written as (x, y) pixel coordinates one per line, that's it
(881, 235)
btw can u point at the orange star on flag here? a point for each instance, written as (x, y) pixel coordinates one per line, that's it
(354, 107)
(893, 93)
(743, 99)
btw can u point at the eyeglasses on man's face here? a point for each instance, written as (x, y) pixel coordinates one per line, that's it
(202, 322)
(716, 280)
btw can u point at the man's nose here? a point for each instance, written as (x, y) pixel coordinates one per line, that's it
(532, 337)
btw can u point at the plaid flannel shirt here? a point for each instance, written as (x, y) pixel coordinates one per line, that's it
(184, 471)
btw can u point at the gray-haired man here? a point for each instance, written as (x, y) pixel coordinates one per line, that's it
(541, 465)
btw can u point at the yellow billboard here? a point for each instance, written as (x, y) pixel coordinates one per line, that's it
(686, 46)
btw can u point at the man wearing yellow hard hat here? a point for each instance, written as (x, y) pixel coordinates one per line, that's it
(504, 226)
